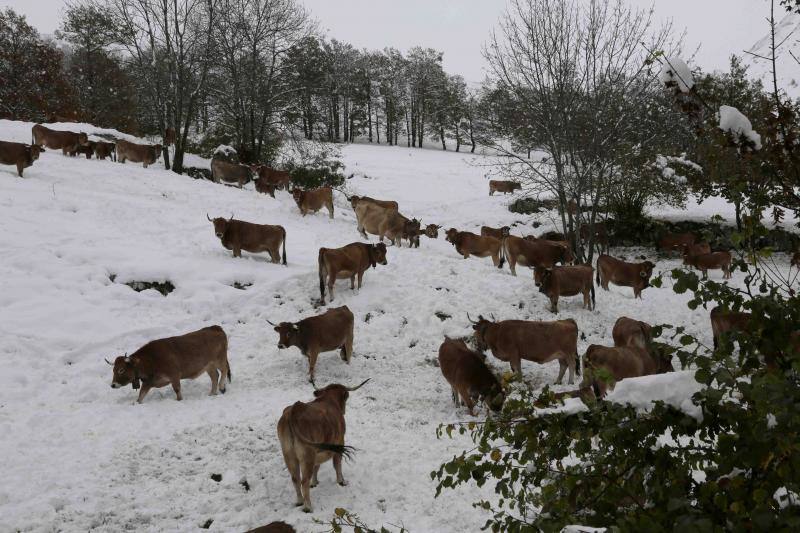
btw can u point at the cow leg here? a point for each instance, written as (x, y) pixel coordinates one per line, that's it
(512, 264)
(360, 278)
(587, 303)
(337, 466)
(314, 480)
(213, 373)
(348, 347)
(237, 251)
(20, 166)
(363, 233)
(312, 362)
(562, 369)
(331, 283)
(223, 376)
(143, 392)
(293, 466)
(572, 362)
(353, 283)
(455, 396)
(554, 304)
(176, 386)
(330, 211)
(307, 471)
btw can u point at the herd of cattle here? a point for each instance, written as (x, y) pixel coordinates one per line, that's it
(312, 433)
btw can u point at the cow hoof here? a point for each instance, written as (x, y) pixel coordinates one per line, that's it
(212, 393)
(307, 510)
(313, 485)
(223, 390)
(343, 483)
(298, 504)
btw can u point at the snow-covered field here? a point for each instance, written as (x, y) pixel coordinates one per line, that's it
(76, 455)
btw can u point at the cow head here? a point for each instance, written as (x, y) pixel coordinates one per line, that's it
(35, 150)
(336, 393)
(288, 334)
(645, 271)
(156, 151)
(432, 231)
(662, 357)
(567, 257)
(543, 277)
(298, 195)
(480, 327)
(125, 371)
(220, 225)
(515, 186)
(450, 235)
(494, 397)
(83, 139)
(354, 201)
(377, 254)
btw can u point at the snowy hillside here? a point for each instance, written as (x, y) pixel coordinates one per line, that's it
(77, 455)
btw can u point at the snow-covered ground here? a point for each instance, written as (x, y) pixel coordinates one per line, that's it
(76, 455)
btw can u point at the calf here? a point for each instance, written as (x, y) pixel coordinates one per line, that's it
(566, 281)
(269, 179)
(167, 361)
(712, 261)
(85, 149)
(468, 376)
(468, 244)
(20, 155)
(497, 233)
(313, 200)
(230, 172)
(619, 363)
(238, 235)
(534, 253)
(724, 322)
(350, 261)
(312, 433)
(322, 333)
(541, 342)
(503, 186)
(431, 231)
(146, 154)
(105, 149)
(672, 242)
(66, 141)
(632, 333)
(618, 272)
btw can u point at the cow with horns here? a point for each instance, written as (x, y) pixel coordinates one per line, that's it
(312, 433)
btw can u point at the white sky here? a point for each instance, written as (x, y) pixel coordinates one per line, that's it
(460, 27)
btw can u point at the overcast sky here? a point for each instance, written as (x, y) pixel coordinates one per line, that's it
(460, 27)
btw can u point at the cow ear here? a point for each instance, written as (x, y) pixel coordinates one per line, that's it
(276, 328)
(317, 392)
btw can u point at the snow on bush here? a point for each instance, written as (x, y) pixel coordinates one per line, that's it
(675, 73)
(666, 164)
(732, 120)
(673, 388)
(225, 150)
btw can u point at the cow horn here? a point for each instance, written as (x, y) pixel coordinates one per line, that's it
(270, 323)
(351, 389)
(470, 319)
(209, 218)
(314, 384)
(107, 361)
(231, 217)
(493, 318)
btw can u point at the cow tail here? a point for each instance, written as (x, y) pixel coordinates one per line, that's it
(577, 364)
(597, 274)
(339, 449)
(230, 374)
(594, 304)
(284, 246)
(322, 273)
(502, 253)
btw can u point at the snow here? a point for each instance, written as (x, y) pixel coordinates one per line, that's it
(675, 389)
(225, 150)
(77, 455)
(733, 121)
(787, 39)
(676, 73)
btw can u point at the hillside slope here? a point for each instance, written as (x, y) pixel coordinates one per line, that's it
(77, 455)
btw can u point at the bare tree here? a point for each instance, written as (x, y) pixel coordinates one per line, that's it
(567, 66)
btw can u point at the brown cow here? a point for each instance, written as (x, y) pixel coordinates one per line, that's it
(538, 341)
(386, 222)
(18, 154)
(84, 149)
(386, 204)
(566, 281)
(66, 141)
(269, 179)
(273, 527)
(724, 322)
(431, 231)
(313, 433)
(169, 136)
(672, 242)
(568, 257)
(503, 186)
(238, 235)
(230, 172)
(619, 363)
(322, 333)
(497, 233)
(467, 244)
(468, 376)
(105, 149)
(552, 236)
(630, 332)
(313, 200)
(600, 238)
(533, 253)
(167, 361)
(613, 270)
(696, 249)
(712, 261)
(146, 154)
(350, 261)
